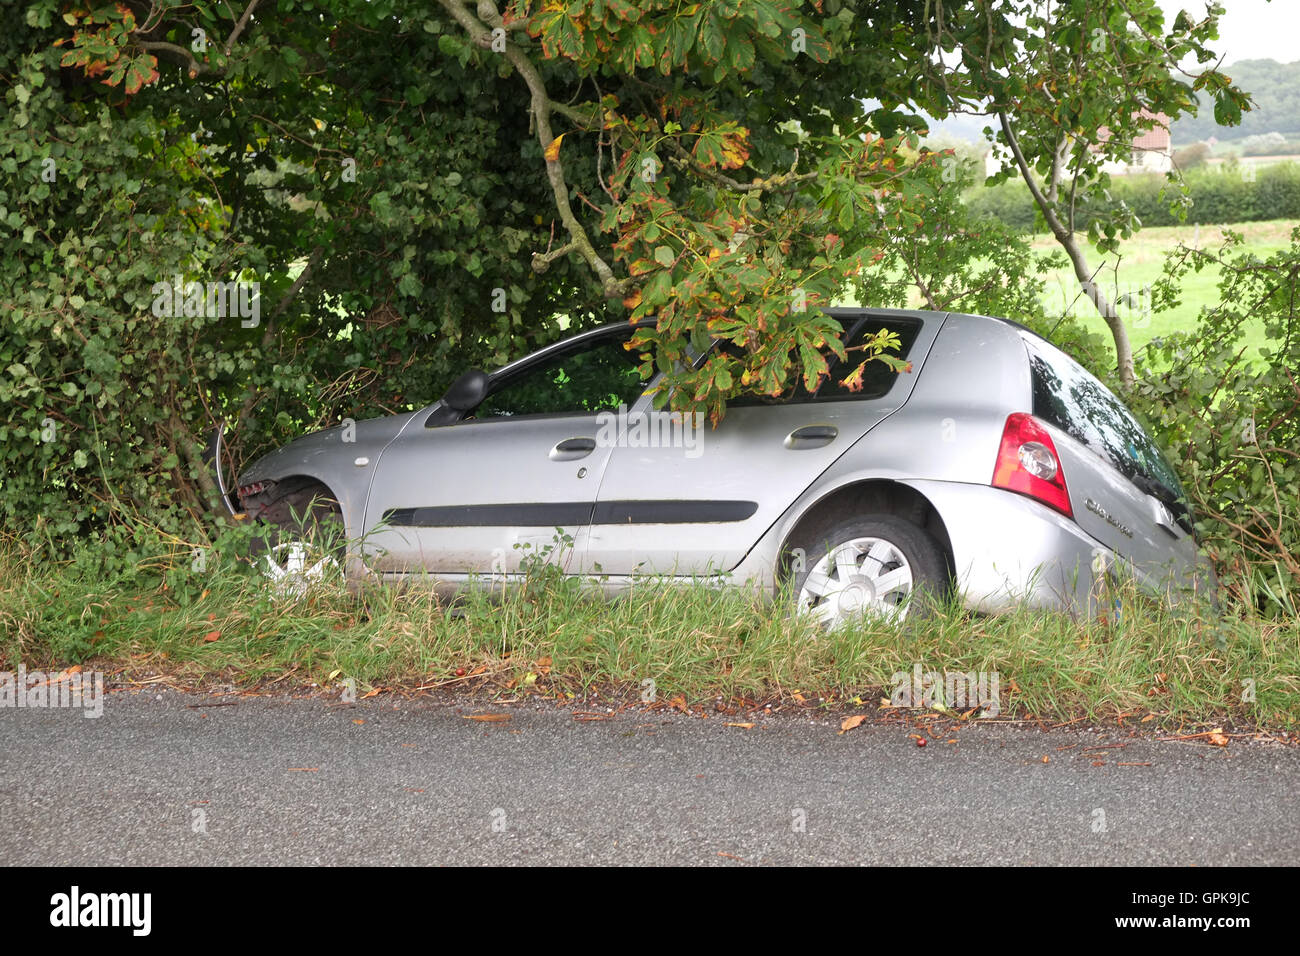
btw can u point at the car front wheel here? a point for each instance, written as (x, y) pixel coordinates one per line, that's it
(301, 539)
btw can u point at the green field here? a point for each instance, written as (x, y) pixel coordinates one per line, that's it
(1141, 262)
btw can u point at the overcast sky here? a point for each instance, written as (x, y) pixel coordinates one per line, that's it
(1251, 29)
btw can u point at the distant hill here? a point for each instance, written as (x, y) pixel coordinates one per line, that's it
(1275, 88)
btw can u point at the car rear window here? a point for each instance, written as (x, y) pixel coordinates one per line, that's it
(1067, 396)
(877, 378)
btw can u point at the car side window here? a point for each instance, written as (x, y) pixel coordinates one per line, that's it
(596, 376)
(877, 377)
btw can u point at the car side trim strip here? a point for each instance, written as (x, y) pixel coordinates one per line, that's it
(672, 512)
(567, 513)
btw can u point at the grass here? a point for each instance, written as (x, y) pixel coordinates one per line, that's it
(1178, 670)
(1141, 262)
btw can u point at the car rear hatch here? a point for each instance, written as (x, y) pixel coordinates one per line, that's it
(1121, 487)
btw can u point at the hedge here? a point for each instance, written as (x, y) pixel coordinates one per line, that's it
(1219, 195)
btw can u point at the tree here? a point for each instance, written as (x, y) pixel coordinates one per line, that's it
(419, 187)
(1071, 85)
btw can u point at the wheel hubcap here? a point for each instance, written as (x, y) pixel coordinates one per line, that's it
(863, 575)
(293, 567)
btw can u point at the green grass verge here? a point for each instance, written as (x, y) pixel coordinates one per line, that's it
(1180, 669)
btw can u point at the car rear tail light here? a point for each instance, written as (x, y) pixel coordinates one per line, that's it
(1028, 463)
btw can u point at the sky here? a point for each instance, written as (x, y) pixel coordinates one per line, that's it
(1250, 29)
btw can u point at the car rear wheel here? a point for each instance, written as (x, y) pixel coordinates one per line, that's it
(879, 565)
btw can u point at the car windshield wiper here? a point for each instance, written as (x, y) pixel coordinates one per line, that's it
(1168, 497)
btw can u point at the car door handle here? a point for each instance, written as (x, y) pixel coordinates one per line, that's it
(571, 449)
(811, 436)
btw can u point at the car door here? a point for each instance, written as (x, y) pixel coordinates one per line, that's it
(475, 493)
(697, 507)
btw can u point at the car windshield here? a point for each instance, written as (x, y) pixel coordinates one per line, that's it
(1070, 398)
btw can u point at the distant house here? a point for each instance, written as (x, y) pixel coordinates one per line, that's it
(1151, 152)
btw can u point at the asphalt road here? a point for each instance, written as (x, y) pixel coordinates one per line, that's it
(266, 780)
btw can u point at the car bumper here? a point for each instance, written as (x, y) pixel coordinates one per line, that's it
(1009, 550)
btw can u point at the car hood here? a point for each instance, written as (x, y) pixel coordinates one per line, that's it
(326, 451)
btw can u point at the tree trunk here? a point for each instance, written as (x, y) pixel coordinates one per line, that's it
(1070, 243)
(1105, 308)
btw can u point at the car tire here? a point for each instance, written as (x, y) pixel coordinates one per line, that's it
(878, 563)
(300, 539)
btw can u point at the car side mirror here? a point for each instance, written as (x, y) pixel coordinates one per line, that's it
(467, 391)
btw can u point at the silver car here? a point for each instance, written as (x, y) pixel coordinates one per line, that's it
(997, 469)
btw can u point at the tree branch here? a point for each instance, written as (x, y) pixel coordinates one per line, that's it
(722, 179)
(542, 260)
(187, 58)
(541, 107)
(1070, 243)
(239, 27)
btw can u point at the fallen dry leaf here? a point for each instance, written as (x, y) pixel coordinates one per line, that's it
(495, 718)
(371, 693)
(212, 636)
(63, 675)
(850, 722)
(1046, 759)
(1218, 737)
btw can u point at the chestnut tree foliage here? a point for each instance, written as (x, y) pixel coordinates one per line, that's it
(421, 186)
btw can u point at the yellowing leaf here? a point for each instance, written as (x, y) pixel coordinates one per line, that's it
(552, 152)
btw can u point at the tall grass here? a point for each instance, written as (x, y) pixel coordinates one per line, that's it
(1176, 667)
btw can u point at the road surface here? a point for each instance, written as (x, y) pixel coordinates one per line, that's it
(173, 779)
